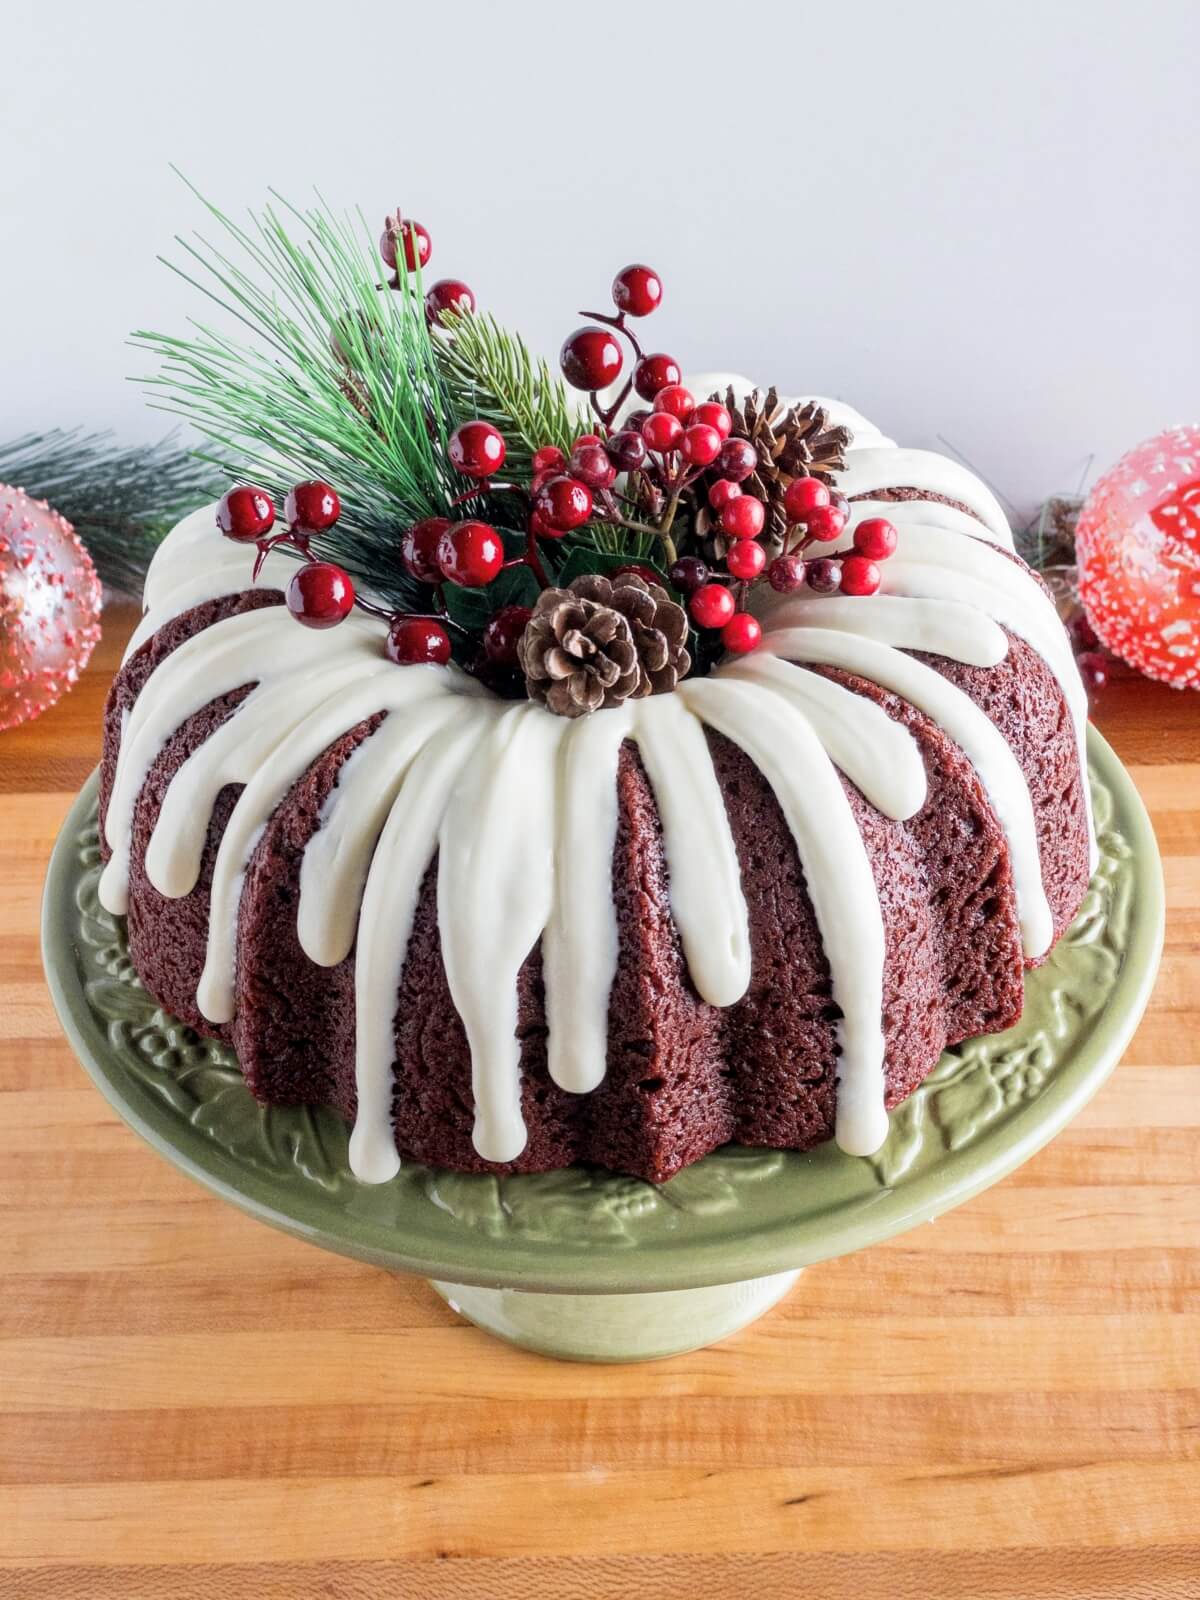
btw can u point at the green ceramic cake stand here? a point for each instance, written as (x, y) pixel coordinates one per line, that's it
(579, 1263)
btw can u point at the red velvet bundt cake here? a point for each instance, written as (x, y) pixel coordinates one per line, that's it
(755, 908)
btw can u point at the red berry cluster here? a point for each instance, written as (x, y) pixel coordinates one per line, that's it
(818, 515)
(402, 233)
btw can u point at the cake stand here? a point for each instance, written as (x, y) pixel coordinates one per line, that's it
(582, 1264)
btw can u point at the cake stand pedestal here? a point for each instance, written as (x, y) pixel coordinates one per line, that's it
(584, 1264)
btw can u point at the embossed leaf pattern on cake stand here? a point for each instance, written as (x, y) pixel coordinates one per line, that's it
(975, 1087)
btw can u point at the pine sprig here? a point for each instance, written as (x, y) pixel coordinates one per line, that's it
(121, 499)
(489, 373)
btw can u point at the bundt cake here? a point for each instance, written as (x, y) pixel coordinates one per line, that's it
(753, 909)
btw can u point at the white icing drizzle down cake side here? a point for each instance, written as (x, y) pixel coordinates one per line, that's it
(521, 805)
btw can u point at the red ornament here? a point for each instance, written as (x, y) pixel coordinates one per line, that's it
(746, 559)
(503, 634)
(590, 463)
(722, 492)
(477, 449)
(548, 459)
(590, 358)
(564, 503)
(417, 248)
(417, 641)
(802, 496)
(825, 523)
(419, 548)
(655, 372)
(312, 507)
(737, 460)
(860, 576)
(320, 595)
(876, 538)
(49, 607)
(1137, 543)
(701, 445)
(448, 294)
(743, 517)
(470, 554)
(637, 290)
(715, 416)
(711, 606)
(675, 399)
(245, 514)
(662, 432)
(741, 634)
(786, 574)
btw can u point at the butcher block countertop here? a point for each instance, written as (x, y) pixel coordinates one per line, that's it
(1006, 1403)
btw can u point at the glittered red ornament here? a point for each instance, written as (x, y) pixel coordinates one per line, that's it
(1138, 547)
(49, 607)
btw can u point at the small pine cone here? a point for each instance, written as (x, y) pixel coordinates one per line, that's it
(795, 442)
(597, 643)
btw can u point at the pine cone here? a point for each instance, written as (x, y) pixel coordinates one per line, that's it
(793, 443)
(598, 642)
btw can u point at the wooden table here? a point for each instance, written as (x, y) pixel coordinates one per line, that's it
(1003, 1404)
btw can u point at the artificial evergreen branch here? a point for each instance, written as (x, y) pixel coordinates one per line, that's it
(489, 373)
(120, 499)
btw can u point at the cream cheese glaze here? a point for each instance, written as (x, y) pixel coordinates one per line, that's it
(520, 806)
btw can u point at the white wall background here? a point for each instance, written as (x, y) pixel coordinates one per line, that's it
(980, 221)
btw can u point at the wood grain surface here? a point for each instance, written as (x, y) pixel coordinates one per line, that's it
(1004, 1404)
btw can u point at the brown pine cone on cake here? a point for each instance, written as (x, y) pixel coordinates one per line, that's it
(598, 642)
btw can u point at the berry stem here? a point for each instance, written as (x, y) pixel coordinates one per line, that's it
(619, 323)
(534, 561)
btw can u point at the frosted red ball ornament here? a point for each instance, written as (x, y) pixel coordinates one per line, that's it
(49, 607)
(1137, 543)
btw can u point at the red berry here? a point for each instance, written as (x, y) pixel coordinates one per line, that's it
(876, 538)
(637, 290)
(416, 245)
(742, 633)
(1083, 635)
(585, 439)
(419, 549)
(564, 503)
(320, 595)
(824, 522)
(470, 554)
(823, 575)
(477, 449)
(711, 606)
(655, 372)
(503, 633)
(417, 641)
(737, 460)
(688, 574)
(634, 569)
(715, 416)
(626, 450)
(539, 528)
(746, 559)
(786, 574)
(675, 399)
(840, 503)
(590, 358)
(804, 495)
(448, 294)
(743, 517)
(549, 459)
(591, 465)
(312, 507)
(701, 445)
(246, 514)
(633, 421)
(1093, 669)
(662, 432)
(860, 575)
(722, 492)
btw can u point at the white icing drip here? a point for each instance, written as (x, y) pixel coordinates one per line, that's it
(837, 870)
(871, 469)
(875, 752)
(940, 627)
(962, 720)
(865, 433)
(399, 864)
(581, 941)
(214, 581)
(495, 877)
(707, 902)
